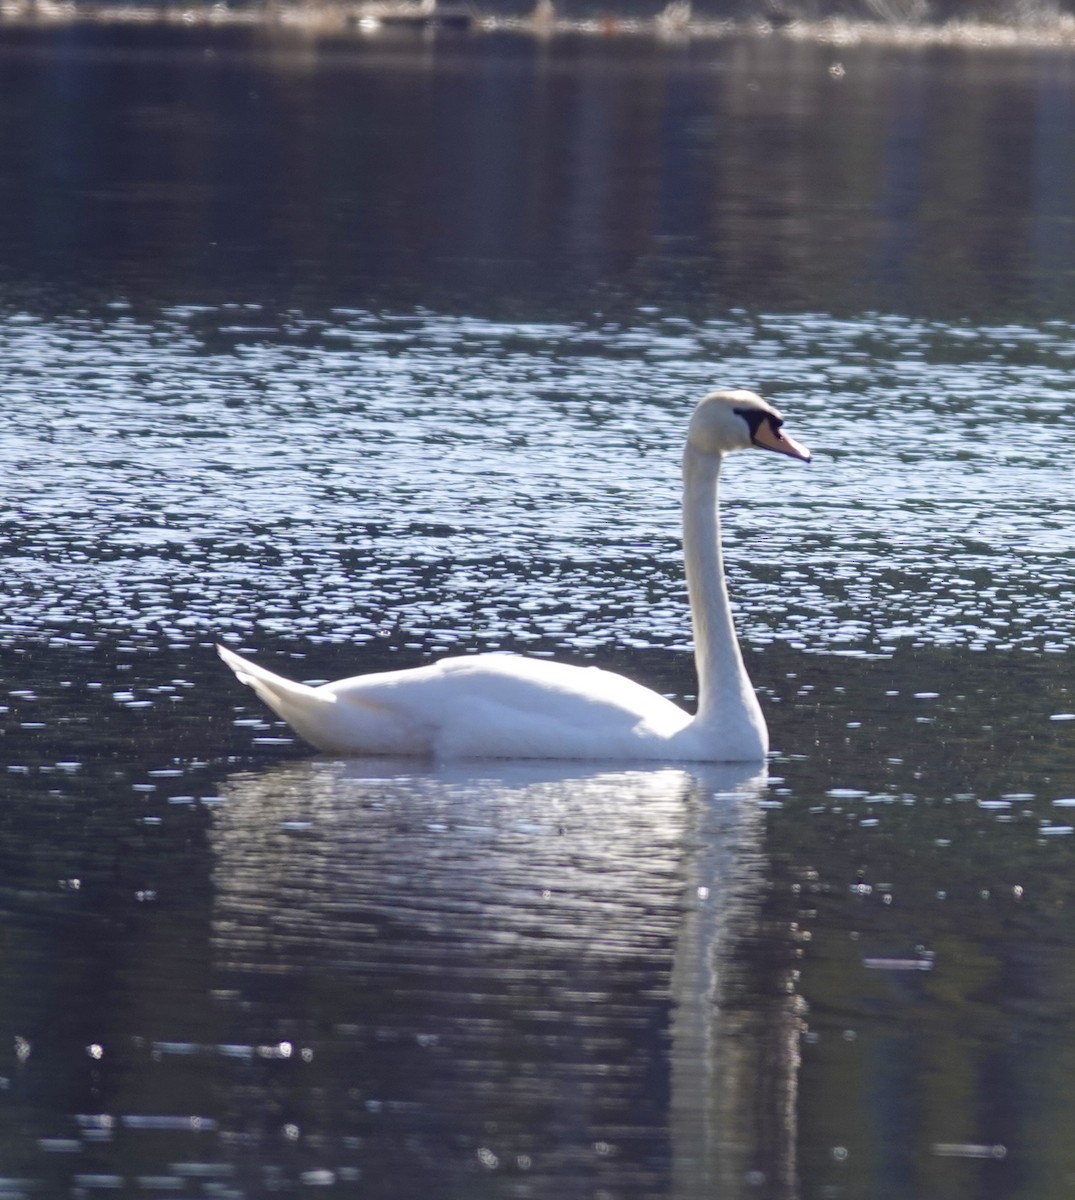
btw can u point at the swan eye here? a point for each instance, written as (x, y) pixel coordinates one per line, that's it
(754, 418)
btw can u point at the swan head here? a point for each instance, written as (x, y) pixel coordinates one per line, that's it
(740, 420)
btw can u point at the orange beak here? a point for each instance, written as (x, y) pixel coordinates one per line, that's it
(768, 437)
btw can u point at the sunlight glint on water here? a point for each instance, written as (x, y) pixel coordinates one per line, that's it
(474, 484)
(231, 968)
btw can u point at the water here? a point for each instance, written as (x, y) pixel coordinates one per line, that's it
(353, 354)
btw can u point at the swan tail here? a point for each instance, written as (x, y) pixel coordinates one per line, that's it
(264, 682)
(352, 724)
(290, 700)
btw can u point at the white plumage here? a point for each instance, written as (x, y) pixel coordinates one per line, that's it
(507, 706)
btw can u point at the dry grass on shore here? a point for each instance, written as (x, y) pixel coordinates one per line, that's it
(674, 23)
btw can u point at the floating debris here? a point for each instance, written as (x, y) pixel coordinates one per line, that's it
(969, 1150)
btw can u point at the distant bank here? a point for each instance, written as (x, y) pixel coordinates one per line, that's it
(839, 22)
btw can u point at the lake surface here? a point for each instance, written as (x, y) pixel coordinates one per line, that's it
(350, 354)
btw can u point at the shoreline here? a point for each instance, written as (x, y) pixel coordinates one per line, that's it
(674, 24)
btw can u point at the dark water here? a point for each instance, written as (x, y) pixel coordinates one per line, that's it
(577, 179)
(352, 354)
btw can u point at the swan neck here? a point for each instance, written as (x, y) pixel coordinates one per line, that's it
(724, 689)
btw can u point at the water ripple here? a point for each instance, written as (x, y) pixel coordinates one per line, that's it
(456, 483)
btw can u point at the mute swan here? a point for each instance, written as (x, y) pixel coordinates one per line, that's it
(504, 706)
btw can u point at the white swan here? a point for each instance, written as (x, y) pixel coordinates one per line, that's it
(504, 706)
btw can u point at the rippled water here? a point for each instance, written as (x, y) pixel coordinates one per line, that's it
(233, 969)
(462, 483)
(328, 966)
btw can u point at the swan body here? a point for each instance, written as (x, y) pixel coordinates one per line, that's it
(508, 706)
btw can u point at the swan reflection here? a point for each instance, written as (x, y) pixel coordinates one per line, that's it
(530, 961)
